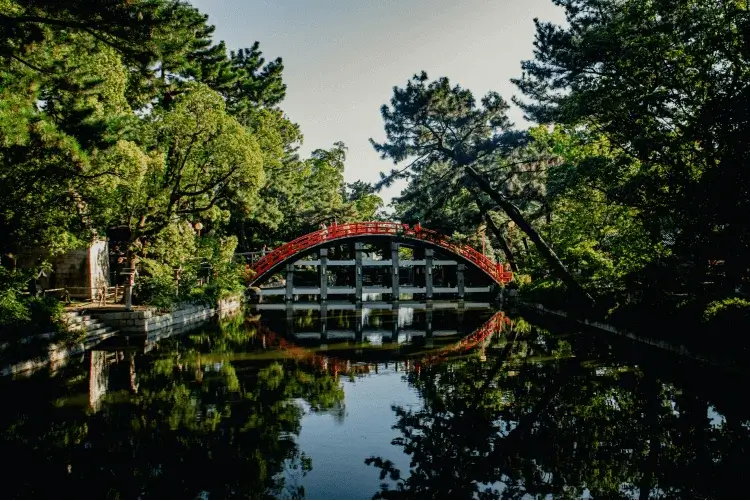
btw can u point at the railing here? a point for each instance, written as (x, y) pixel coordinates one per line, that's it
(348, 230)
(490, 327)
(114, 294)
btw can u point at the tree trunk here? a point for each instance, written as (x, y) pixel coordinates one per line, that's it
(503, 243)
(558, 268)
(498, 235)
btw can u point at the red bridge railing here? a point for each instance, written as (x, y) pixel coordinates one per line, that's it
(339, 231)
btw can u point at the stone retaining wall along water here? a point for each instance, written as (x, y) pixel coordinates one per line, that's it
(140, 322)
(151, 323)
(57, 352)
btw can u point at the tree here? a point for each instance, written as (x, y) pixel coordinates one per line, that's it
(198, 161)
(55, 125)
(127, 27)
(366, 202)
(667, 84)
(436, 123)
(258, 84)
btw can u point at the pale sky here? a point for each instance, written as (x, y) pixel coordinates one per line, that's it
(343, 57)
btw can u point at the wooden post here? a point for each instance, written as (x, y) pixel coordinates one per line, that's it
(289, 321)
(323, 322)
(394, 325)
(460, 317)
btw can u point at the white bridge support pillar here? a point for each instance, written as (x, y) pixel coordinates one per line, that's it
(289, 282)
(323, 274)
(429, 256)
(460, 280)
(358, 248)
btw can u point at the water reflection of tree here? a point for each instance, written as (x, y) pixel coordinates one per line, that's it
(514, 427)
(193, 428)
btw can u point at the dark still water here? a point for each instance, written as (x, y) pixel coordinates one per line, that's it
(401, 401)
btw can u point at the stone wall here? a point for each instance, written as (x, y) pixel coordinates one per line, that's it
(56, 357)
(133, 323)
(151, 323)
(98, 265)
(79, 270)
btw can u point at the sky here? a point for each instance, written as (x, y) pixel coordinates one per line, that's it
(342, 58)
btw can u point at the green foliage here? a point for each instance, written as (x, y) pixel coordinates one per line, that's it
(666, 83)
(728, 310)
(457, 143)
(22, 315)
(13, 308)
(157, 287)
(225, 283)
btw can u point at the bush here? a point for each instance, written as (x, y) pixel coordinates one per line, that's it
(13, 308)
(156, 291)
(26, 316)
(157, 286)
(730, 311)
(226, 281)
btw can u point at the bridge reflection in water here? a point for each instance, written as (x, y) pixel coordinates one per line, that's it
(373, 322)
(227, 411)
(339, 338)
(412, 334)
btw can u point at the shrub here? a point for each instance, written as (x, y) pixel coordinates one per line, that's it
(26, 316)
(730, 311)
(157, 286)
(12, 305)
(227, 281)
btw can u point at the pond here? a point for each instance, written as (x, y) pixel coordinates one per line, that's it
(406, 400)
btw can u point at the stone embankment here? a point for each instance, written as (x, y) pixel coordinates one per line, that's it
(91, 332)
(98, 324)
(151, 323)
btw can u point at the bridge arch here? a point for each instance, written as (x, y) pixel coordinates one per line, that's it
(292, 251)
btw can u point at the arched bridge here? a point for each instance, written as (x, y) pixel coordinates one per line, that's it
(423, 241)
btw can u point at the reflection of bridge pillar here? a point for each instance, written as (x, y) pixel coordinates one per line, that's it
(428, 324)
(460, 316)
(395, 272)
(289, 320)
(323, 274)
(323, 321)
(358, 248)
(460, 269)
(429, 255)
(290, 281)
(394, 327)
(358, 323)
